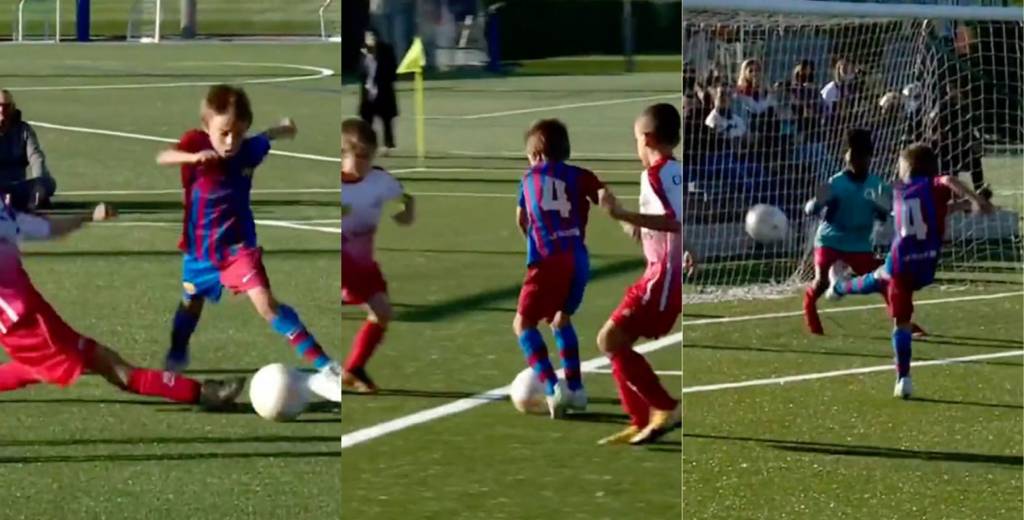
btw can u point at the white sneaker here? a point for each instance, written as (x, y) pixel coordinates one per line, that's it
(326, 383)
(839, 272)
(577, 400)
(558, 402)
(903, 388)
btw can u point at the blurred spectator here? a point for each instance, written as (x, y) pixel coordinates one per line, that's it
(23, 172)
(751, 96)
(377, 86)
(842, 85)
(954, 132)
(723, 120)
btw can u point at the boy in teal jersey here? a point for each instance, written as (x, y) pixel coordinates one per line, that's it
(850, 203)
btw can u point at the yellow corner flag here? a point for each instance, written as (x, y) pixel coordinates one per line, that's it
(413, 62)
(414, 59)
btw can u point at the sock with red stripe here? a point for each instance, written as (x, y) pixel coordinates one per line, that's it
(158, 383)
(866, 284)
(15, 375)
(536, 352)
(635, 406)
(639, 374)
(569, 351)
(364, 344)
(811, 317)
(288, 324)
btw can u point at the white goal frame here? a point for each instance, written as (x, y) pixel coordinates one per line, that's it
(323, 23)
(21, 21)
(867, 10)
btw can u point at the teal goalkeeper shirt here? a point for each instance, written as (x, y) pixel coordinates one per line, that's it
(850, 214)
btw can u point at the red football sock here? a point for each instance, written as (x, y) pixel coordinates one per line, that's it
(15, 375)
(168, 385)
(634, 405)
(639, 374)
(365, 342)
(811, 317)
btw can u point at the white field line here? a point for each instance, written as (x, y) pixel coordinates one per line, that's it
(295, 225)
(677, 373)
(388, 427)
(559, 107)
(115, 193)
(278, 223)
(319, 72)
(850, 371)
(144, 137)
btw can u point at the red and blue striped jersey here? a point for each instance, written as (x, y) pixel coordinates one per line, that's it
(556, 199)
(218, 217)
(919, 210)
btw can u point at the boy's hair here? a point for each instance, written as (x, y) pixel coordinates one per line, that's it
(226, 99)
(922, 159)
(859, 142)
(662, 120)
(358, 137)
(549, 138)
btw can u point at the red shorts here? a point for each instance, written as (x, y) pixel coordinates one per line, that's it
(900, 292)
(242, 272)
(652, 305)
(360, 281)
(860, 263)
(40, 340)
(552, 285)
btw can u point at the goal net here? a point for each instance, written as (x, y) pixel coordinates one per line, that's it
(768, 97)
(144, 20)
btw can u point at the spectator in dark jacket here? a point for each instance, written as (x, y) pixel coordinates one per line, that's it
(377, 86)
(23, 172)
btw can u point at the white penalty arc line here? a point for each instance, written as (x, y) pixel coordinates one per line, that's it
(388, 427)
(558, 107)
(319, 72)
(846, 372)
(158, 139)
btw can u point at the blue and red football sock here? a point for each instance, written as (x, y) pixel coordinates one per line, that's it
(901, 340)
(569, 351)
(287, 324)
(536, 353)
(865, 284)
(182, 327)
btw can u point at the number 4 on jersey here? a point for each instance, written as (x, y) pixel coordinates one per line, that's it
(912, 221)
(554, 197)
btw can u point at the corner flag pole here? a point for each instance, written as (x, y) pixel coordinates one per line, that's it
(413, 62)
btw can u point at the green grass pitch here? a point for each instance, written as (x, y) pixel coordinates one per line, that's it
(91, 451)
(454, 278)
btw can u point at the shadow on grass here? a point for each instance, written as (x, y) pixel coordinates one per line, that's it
(687, 346)
(162, 457)
(1010, 406)
(161, 440)
(469, 303)
(854, 450)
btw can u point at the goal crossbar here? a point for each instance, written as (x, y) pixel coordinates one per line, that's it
(863, 10)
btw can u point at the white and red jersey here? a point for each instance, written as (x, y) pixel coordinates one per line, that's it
(15, 286)
(362, 203)
(661, 193)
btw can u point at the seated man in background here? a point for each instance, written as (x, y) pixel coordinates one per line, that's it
(23, 172)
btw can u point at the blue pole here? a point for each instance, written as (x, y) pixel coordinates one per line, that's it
(82, 20)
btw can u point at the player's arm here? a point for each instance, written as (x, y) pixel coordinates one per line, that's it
(36, 227)
(822, 198)
(407, 214)
(661, 222)
(521, 220)
(974, 202)
(175, 157)
(286, 129)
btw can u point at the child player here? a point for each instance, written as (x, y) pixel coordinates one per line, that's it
(44, 349)
(554, 202)
(652, 305)
(852, 201)
(364, 191)
(219, 236)
(921, 200)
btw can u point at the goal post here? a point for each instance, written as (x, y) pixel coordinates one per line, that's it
(330, 21)
(37, 20)
(771, 87)
(144, 21)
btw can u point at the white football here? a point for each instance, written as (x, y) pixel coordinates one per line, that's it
(527, 393)
(766, 223)
(278, 393)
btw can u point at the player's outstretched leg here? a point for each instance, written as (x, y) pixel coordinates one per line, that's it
(365, 343)
(865, 284)
(14, 375)
(211, 394)
(285, 321)
(536, 352)
(814, 291)
(569, 351)
(630, 369)
(902, 336)
(186, 317)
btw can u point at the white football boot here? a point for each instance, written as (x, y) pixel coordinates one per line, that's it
(326, 383)
(839, 272)
(903, 388)
(577, 400)
(558, 402)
